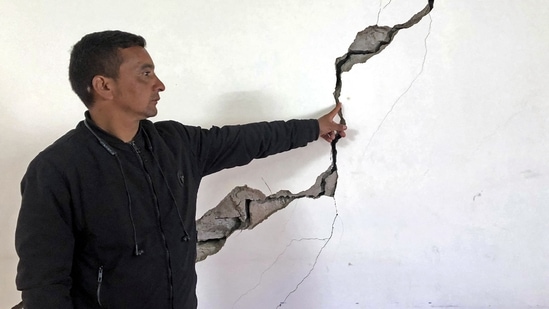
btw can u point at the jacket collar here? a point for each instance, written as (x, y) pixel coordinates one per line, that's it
(109, 138)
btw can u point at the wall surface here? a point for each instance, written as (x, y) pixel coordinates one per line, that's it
(444, 179)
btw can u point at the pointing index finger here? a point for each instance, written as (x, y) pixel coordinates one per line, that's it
(336, 110)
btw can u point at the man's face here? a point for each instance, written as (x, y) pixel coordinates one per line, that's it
(137, 87)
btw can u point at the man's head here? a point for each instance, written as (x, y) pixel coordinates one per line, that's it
(95, 54)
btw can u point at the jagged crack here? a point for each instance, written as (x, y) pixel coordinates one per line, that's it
(381, 9)
(244, 207)
(273, 264)
(315, 262)
(403, 93)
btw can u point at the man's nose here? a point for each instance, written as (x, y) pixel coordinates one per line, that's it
(160, 85)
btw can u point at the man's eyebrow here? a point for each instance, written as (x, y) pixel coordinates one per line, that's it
(146, 66)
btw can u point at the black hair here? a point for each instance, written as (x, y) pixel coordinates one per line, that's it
(98, 54)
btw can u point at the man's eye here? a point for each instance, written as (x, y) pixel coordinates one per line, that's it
(147, 73)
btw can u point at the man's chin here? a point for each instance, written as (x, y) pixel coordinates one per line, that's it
(151, 113)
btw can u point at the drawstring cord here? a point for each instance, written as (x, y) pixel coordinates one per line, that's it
(137, 251)
(185, 237)
(111, 151)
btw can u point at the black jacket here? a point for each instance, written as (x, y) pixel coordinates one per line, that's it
(108, 224)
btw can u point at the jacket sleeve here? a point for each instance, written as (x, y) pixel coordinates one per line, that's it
(43, 239)
(230, 146)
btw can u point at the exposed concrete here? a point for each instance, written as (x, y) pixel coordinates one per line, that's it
(370, 42)
(244, 207)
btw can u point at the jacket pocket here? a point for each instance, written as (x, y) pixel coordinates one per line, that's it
(99, 283)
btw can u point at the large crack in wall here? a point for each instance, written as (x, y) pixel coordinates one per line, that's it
(244, 207)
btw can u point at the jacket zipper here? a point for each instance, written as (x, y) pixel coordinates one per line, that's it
(99, 282)
(155, 199)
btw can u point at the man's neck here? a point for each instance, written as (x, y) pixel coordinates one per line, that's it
(116, 124)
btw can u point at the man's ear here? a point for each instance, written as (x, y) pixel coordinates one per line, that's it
(103, 87)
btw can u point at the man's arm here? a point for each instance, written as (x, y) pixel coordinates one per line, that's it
(44, 239)
(230, 146)
(244, 207)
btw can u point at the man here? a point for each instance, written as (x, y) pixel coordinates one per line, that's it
(108, 211)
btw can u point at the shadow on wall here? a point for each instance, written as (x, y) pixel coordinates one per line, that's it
(253, 106)
(241, 107)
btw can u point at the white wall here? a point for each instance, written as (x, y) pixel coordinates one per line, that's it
(446, 205)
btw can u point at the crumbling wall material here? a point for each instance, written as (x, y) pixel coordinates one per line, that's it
(244, 207)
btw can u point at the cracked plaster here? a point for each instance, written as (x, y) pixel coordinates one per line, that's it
(244, 207)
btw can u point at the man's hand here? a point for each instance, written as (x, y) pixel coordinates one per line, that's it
(328, 128)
